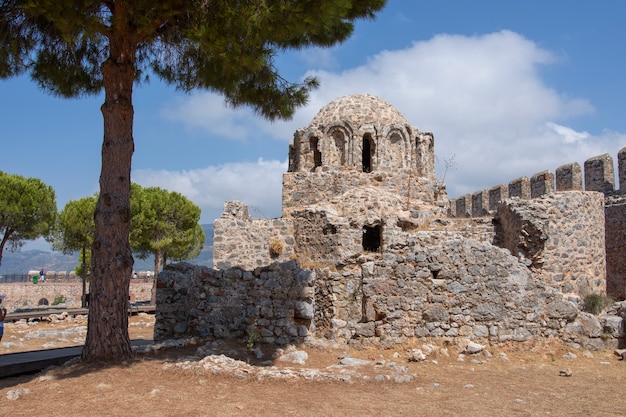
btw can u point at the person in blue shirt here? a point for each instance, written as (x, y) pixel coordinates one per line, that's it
(3, 314)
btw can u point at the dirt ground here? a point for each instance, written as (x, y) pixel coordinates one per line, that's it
(509, 382)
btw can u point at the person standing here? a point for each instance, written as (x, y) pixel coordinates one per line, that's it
(3, 314)
(42, 275)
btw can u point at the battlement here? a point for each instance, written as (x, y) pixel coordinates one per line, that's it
(599, 175)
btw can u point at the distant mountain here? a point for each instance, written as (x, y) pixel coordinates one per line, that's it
(23, 261)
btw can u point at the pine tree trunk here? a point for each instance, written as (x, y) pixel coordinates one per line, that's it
(157, 267)
(83, 275)
(112, 260)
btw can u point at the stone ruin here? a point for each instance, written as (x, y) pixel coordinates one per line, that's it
(369, 250)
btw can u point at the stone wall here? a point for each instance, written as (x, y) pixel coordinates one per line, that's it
(29, 295)
(561, 235)
(428, 286)
(370, 251)
(343, 191)
(615, 210)
(565, 248)
(256, 242)
(273, 303)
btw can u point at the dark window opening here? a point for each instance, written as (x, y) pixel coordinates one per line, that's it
(366, 157)
(317, 155)
(372, 238)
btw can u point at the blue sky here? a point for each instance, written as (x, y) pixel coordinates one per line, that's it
(507, 88)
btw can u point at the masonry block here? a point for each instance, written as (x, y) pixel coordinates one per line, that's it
(480, 202)
(520, 187)
(569, 177)
(599, 174)
(497, 194)
(541, 183)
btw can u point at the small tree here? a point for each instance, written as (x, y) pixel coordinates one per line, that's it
(28, 210)
(75, 231)
(164, 224)
(188, 246)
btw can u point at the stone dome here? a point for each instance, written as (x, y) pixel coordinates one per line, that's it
(358, 110)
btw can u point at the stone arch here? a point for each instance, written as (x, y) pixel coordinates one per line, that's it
(397, 149)
(340, 143)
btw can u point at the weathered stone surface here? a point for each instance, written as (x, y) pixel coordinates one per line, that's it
(349, 361)
(298, 357)
(614, 326)
(487, 312)
(562, 309)
(303, 310)
(591, 324)
(473, 348)
(435, 313)
(416, 355)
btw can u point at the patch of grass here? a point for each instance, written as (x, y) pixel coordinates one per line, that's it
(59, 299)
(276, 247)
(595, 303)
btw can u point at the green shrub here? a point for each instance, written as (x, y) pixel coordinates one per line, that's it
(595, 303)
(59, 299)
(252, 339)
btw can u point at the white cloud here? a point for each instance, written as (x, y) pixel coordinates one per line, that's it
(258, 184)
(569, 135)
(482, 96)
(208, 112)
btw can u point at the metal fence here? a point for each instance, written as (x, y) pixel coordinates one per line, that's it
(22, 278)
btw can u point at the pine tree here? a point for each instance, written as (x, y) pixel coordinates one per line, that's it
(78, 47)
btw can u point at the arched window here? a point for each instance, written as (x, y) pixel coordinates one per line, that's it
(340, 145)
(368, 151)
(396, 151)
(317, 155)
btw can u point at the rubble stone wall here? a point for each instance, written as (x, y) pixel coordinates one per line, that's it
(566, 248)
(331, 189)
(429, 286)
(561, 235)
(273, 304)
(256, 242)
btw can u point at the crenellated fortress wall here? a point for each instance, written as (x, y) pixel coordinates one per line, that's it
(581, 208)
(599, 175)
